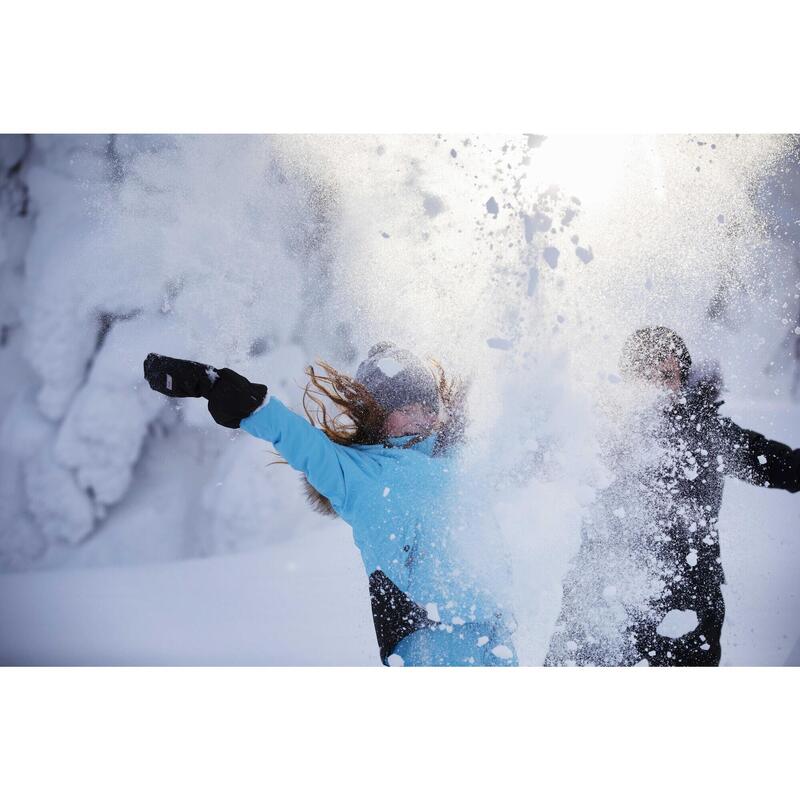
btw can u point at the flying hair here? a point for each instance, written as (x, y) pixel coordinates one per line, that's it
(348, 414)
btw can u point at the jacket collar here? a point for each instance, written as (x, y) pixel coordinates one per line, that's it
(425, 446)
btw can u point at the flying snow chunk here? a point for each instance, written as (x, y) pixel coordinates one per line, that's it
(550, 255)
(585, 254)
(389, 367)
(691, 559)
(533, 280)
(492, 207)
(395, 660)
(762, 459)
(538, 223)
(458, 621)
(432, 205)
(386, 491)
(499, 344)
(677, 623)
(432, 611)
(501, 651)
(482, 640)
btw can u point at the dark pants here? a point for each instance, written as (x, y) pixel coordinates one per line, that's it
(698, 648)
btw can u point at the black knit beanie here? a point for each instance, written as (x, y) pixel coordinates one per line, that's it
(397, 378)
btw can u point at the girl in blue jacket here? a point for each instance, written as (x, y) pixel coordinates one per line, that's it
(388, 470)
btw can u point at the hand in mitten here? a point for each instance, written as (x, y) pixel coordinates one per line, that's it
(233, 397)
(176, 377)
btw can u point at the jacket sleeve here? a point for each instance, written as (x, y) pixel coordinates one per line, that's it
(752, 457)
(329, 467)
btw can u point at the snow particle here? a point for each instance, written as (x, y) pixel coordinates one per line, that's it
(492, 207)
(538, 223)
(550, 255)
(677, 623)
(386, 491)
(395, 660)
(482, 640)
(762, 459)
(691, 558)
(432, 205)
(432, 611)
(389, 367)
(533, 281)
(501, 651)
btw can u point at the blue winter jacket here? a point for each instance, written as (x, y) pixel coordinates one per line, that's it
(411, 514)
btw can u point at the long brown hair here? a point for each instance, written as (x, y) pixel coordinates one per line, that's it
(358, 419)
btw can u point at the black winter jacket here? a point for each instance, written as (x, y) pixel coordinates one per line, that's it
(678, 549)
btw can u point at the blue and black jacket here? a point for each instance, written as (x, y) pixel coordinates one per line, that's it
(409, 510)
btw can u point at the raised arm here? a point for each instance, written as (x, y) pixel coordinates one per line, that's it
(329, 467)
(751, 457)
(235, 402)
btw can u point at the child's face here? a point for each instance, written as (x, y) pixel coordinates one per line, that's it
(414, 419)
(667, 373)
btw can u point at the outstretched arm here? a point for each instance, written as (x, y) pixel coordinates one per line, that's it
(235, 402)
(328, 466)
(752, 457)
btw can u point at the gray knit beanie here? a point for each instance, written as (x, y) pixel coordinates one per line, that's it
(397, 378)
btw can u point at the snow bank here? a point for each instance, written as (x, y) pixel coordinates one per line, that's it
(295, 604)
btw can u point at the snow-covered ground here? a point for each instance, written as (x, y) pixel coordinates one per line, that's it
(294, 603)
(134, 530)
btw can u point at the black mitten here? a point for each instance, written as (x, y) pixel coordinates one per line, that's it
(233, 397)
(176, 377)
